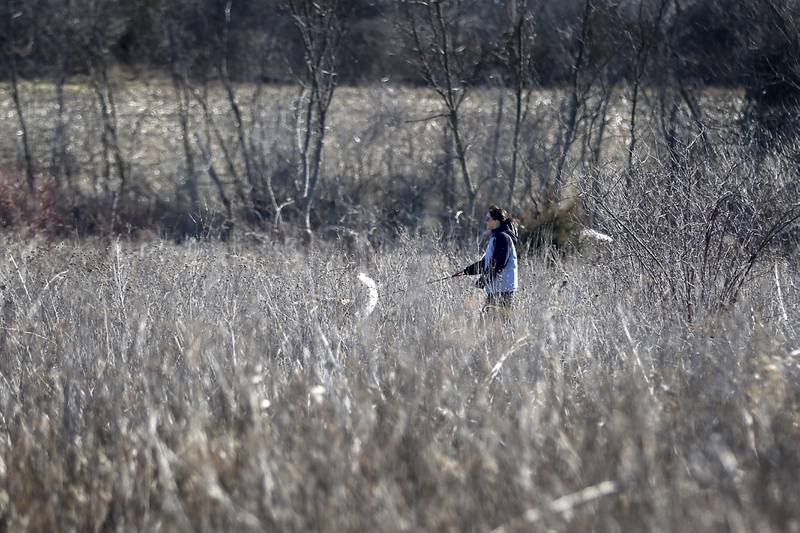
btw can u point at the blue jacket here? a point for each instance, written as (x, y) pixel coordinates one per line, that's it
(498, 266)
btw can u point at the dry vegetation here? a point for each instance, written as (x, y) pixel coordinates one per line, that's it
(387, 156)
(243, 382)
(223, 386)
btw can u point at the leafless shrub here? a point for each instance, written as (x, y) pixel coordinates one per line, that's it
(701, 228)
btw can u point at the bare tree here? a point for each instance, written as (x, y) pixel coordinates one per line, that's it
(701, 241)
(580, 119)
(182, 89)
(58, 38)
(518, 60)
(647, 31)
(16, 45)
(322, 26)
(223, 71)
(101, 28)
(577, 88)
(441, 63)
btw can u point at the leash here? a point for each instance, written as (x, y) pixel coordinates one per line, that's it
(428, 282)
(456, 275)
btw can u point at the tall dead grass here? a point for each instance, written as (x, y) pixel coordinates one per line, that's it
(219, 386)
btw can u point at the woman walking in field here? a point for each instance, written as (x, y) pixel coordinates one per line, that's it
(498, 266)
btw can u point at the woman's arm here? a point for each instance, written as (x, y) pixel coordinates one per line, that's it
(475, 268)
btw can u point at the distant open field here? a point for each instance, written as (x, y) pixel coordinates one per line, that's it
(381, 141)
(370, 129)
(367, 121)
(210, 386)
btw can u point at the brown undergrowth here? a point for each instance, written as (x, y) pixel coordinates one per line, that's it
(221, 386)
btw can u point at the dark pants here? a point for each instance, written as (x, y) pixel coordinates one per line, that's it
(499, 300)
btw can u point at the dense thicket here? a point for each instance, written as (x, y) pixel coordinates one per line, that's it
(721, 42)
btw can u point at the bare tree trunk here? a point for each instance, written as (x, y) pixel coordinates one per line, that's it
(322, 26)
(256, 203)
(595, 146)
(575, 92)
(182, 101)
(454, 102)
(182, 97)
(316, 161)
(60, 161)
(242, 140)
(260, 151)
(512, 180)
(519, 55)
(498, 131)
(695, 110)
(61, 168)
(110, 137)
(211, 126)
(461, 154)
(11, 62)
(597, 126)
(305, 145)
(26, 146)
(212, 172)
(449, 182)
(434, 59)
(646, 40)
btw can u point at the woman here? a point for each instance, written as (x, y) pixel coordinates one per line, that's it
(498, 266)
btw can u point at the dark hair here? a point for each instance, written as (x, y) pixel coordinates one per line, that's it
(500, 214)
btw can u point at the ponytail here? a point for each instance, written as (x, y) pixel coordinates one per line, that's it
(501, 215)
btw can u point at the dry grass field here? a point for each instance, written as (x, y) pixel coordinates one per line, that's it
(256, 385)
(225, 386)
